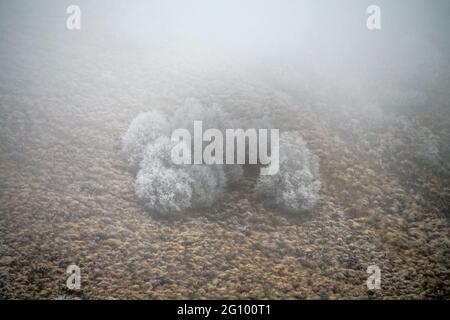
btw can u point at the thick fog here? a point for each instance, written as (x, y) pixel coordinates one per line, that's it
(85, 122)
(293, 42)
(320, 54)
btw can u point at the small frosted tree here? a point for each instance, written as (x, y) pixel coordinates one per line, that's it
(169, 188)
(208, 183)
(160, 185)
(212, 117)
(296, 186)
(145, 128)
(164, 190)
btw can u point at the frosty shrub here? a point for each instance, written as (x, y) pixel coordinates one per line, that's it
(208, 182)
(296, 186)
(145, 128)
(168, 188)
(212, 116)
(159, 186)
(164, 190)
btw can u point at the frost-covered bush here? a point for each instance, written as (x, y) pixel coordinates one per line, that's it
(212, 116)
(164, 190)
(169, 188)
(162, 185)
(159, 186)
(145, 128)
(208, 182)
(296, 186)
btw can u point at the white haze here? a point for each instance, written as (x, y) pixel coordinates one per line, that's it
(303, 41)
(319, 53)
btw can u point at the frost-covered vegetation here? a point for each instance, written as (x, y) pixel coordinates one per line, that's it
(144, 129)
(168, 188)
(296, 187)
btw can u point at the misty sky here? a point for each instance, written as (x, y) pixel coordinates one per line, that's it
(325, 40)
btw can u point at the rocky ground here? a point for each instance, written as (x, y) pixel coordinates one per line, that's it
(66, 196)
